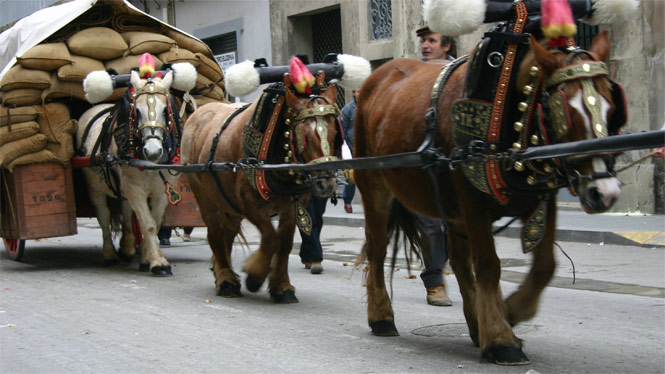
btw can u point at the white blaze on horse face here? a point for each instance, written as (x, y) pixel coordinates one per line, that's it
(607, 190)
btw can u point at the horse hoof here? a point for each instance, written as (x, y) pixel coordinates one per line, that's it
(125, 258)
(508, 355)
(111, 262)
(228, 289)
(144, 268)
(286, 297)
(252, 283)
(161, 271)
(384, 328)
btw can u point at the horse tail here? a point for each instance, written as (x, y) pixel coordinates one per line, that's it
(404, 224)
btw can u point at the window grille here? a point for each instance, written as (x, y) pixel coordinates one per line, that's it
(381, 19)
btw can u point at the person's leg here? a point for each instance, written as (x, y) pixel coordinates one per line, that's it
(164, 235)
(347, 196)
(187, 235)
(435, 258)
(310, 248)
(319, 208)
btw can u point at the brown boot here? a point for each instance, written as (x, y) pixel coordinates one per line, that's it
(437, 296)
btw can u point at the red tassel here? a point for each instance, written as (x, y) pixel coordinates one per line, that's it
(557, 22)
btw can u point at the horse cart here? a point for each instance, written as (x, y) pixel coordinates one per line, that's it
(43, 190)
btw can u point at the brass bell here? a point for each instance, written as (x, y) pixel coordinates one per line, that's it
(287, 134)
(298, 181)
(288, 121)
(518, 126)
(292, 172)
(519, 166)
(551, 183)
(534, 139)
(531, 180)
(289, 153)
(517, 146)
(548, 168)
(287, 159)
(522, 106)
(527, 89)
(286, 146)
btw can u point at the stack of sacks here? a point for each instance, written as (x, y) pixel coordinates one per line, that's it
(46, 82)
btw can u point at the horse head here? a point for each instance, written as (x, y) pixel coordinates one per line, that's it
(151, 114)
(580, 102)
(314, 134)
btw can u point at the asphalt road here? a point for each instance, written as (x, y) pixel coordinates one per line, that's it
(62, 312)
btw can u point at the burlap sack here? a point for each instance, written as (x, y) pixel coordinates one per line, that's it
(20, 114)
(202, 100)
(147, 42)
(20, 77)
(18, 131)
(188, 43)
(63, 89)
(206, 87)
(100, 43)
(124, 64)
(22, 96)
(10, 151)
(47, 57)
(210, 68)
(39, 157)
(62, 150)
(54, 121)
(80, 67)
(176, 54)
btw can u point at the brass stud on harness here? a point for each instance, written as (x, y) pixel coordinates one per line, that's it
(287, 134)
(287, 159)
(517, 146)
(286, 146)
(289, 153)
(522, 106)
(533, 71)
(518, 126)
(534, 139)
(292, 172)
(551, 183)
(548, 168)
(288, 121)
(527, 89)
(519, 166)
(298, 181)
(531, 180)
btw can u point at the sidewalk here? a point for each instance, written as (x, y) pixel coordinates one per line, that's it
(573, 224)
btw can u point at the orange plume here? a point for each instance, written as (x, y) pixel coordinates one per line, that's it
(301, 77)
(146, 66)
(557, 21)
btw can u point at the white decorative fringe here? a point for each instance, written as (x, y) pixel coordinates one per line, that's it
(454, 17)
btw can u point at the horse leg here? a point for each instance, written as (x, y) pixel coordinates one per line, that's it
(497, 341)
(523, 304)
(380, 315)
(151, 256)
(227, 282)
(280, 287)
(98, 199)
(127, 247)
(159, 265)
(462, 265)
(257, 266)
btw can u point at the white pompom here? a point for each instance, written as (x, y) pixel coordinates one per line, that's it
(242, 79)
(454, 17)
(611, 11)
(356, 70)
(98, 85)
(184, 76)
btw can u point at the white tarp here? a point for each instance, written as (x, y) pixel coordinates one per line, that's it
(33, 29)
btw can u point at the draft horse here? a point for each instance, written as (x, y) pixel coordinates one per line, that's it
(578, 102)
(281, 126)
(141, 125)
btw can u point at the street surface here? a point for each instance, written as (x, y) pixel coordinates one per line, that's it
(62, 312)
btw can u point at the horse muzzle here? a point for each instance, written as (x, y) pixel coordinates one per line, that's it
(324, 185)
(599, 195)
(152, 149)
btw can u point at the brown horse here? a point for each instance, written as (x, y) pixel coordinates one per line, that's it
(280, 126)
(391, 119)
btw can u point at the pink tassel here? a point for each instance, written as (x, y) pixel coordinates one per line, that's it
(557, 21)
(146, 66)
(301, 77)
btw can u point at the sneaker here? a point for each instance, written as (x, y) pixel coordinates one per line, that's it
(164, 241)
(186, 237)
(316, 268)
(348, 208)
(437, 296)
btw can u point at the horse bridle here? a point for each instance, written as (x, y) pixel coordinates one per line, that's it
(296, 133)
(554, 99)
(152, 91)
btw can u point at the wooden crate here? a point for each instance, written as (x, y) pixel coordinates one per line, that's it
(38, 202)
(186, 213)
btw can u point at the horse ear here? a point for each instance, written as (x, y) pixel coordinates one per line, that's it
(331, 94)
(600, 45)
(167, 80)
(135, 79)
(545, 59)
(292, 101)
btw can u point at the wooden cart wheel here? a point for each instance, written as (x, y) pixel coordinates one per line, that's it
(14, 248)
